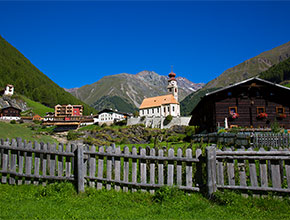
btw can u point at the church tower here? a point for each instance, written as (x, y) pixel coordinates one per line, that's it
(172, 87)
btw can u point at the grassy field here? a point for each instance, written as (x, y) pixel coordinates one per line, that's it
(10, 131)
(60, 201)
(37, 107)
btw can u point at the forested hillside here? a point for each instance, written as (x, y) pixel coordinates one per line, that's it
(279, 73)
(29, 81)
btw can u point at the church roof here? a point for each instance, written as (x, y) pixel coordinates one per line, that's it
(158, 101)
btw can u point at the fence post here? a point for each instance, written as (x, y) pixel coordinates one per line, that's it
(79, 168)
(211, 169)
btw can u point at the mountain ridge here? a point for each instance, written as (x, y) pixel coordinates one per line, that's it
(246, 69)
(29, 81)
(132, 88)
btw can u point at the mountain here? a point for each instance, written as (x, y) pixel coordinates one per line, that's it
(245, 70)
(251, 67)
(17, 70)
(131, 89)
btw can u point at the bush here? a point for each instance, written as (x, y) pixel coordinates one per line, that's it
(143, 118)
(71, 136)
(167, 120)
(189, 132)
(13, 122)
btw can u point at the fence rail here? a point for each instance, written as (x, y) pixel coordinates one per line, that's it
(147, 169)
(245, 139)
(258, 171)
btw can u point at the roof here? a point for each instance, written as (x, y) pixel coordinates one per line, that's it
(106, 110)
(12, 107)
(247, 80)
(158, 101)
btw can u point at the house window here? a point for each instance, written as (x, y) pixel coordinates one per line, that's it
(280, 110)
(168, 108)
(153, 110)
(157, 110)
(233, 110)
(173, 108)
(260, 110)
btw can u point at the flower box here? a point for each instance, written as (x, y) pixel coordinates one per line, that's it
(282, 115)
(262, 115)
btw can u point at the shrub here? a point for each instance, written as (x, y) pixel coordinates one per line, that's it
(189, 132)
(167, 120)
(13, 122)
(71, 136)
(143, 118)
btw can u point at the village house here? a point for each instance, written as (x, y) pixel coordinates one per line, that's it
(109, 116)
(68, 110)
(162, 106)
(10, 113)
(252, 103)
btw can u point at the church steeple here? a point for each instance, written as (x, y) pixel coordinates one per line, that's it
(172, 87)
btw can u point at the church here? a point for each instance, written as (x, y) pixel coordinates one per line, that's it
(162, 106)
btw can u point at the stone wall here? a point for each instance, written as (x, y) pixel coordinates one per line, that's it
(157, 122)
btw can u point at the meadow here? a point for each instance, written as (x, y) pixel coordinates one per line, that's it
(60, 201)
(25, 131)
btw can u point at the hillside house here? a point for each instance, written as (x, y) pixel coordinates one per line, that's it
(162, 106)
(10, 113)
(109, 116)
(68, 110)
(9, 91)
(37, 118)
(252, 103)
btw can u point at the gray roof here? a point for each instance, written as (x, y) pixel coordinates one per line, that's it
(244, 81)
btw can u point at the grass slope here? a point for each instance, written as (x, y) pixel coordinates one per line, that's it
(29, 81)
(36, 107)
(60, 201)
(10, 131)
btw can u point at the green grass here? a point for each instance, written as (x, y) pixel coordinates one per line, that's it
(37, 108)
(10, 131)
(60, 201)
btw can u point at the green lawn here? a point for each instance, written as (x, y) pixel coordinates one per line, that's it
(37, 108)
(10, 131)
(60, 201)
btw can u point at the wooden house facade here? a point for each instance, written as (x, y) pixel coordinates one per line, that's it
(253, 103)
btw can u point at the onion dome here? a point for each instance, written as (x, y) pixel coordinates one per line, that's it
(171, 76)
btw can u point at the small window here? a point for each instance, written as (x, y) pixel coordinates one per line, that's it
(233, 110)
(168, 109)
(260, 110)
(173, 108)
(280, 110)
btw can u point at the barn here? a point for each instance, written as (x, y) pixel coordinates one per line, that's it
(252, 103)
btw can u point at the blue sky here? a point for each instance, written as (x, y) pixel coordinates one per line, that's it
(77, 43)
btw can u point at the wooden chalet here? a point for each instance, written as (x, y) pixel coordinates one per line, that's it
(10, 111)
(252, 103)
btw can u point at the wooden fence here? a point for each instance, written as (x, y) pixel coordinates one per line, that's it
(257, 171)
(245, 139)
(145, 169)
(105, 167)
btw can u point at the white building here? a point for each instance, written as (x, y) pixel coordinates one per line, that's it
(161, 106)
(109, 116)
(9, 91)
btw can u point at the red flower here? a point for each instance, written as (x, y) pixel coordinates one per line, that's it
(262, 115)
(282, 115)
(234, 115)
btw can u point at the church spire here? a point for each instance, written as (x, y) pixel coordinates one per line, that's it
(172, 87)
